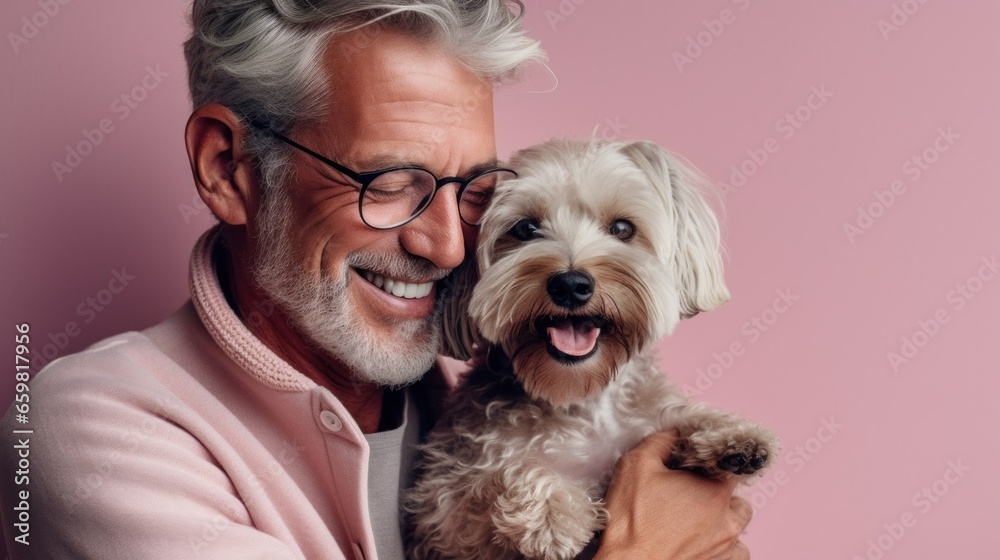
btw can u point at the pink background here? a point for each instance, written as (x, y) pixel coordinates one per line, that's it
(822, 361)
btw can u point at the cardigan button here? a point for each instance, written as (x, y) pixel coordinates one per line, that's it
(331, 421)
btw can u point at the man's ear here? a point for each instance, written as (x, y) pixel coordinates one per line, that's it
(223, 172)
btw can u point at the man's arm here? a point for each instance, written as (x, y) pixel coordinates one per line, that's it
(110, 478)
(675, 515)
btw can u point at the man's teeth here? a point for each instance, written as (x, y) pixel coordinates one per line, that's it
(399, 288)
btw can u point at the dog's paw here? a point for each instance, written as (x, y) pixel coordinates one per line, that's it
(546, 519)
(746, 458)
(722, 451)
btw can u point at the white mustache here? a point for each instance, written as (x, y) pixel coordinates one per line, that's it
(396, 266)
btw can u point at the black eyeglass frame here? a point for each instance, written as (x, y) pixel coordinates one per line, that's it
(366, 178)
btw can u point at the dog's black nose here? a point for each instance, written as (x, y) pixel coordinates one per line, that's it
(571, 289)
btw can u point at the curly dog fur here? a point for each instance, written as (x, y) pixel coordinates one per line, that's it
(595, 251)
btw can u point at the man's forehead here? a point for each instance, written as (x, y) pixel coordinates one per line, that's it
(393, 63)
(403, 101)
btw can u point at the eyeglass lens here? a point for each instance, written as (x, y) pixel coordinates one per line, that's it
(396, 197)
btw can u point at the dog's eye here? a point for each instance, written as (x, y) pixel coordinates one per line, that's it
(622, 229)
(525, 230)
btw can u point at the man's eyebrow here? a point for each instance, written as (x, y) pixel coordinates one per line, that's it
(491, 163)
(379, 163)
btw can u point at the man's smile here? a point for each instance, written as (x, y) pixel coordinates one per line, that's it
(407, 289)
(416, 299)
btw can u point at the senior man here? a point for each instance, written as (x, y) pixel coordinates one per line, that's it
(274, 415)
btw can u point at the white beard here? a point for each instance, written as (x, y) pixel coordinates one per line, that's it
(322, 311)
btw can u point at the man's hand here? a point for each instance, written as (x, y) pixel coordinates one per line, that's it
(656, 513)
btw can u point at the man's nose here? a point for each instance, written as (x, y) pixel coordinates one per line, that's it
(436, 234)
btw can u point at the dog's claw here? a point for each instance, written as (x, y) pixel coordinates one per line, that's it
(740, 463)
(732, 462)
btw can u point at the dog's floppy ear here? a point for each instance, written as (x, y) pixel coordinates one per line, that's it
(458, 334)
(697, 255)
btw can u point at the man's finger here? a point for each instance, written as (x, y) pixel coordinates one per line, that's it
(741, 552)
(731, 483)
(659, 445)
(742, 509)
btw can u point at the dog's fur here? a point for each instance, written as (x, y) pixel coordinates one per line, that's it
(520, 461)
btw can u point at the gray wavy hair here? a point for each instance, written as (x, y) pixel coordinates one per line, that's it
(263, 58)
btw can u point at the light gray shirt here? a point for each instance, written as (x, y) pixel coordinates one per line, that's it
(390, 472)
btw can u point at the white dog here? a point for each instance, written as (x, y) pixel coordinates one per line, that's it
(594, 252)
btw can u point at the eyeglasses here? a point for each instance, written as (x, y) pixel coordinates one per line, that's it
(393, 197)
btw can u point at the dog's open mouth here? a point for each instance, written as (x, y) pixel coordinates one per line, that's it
(571, 339)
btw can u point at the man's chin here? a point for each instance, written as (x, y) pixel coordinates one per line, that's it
(394, 352)
(387, 351)
(395, 358)
(398, 370)
(397, 381)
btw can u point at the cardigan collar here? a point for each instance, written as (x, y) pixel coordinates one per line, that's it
(264, 365)
(228, 330)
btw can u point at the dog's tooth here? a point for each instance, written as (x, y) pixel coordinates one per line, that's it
(389, 284)
(426, 289)
(379, 280)
(411, 291)
(398, 288)
(370, 276)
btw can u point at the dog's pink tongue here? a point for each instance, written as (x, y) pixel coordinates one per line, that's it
(573, 338)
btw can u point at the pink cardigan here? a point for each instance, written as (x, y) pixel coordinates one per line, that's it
(189, 440)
